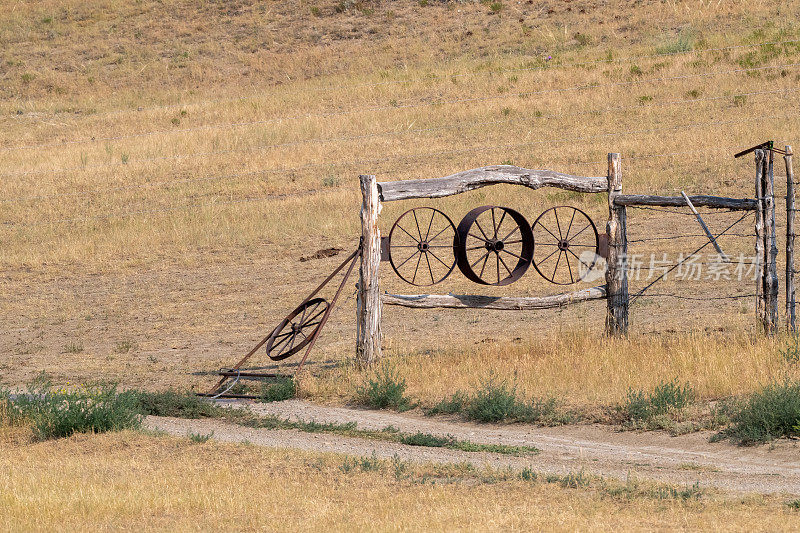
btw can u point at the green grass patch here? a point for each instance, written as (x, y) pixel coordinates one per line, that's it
(769, 413)
(434, 441)
(658, 409)
(384, 389)
(57, 413)
(185, 405)
(283, 389)
(199, 438)
(175, 404)
(497, 401)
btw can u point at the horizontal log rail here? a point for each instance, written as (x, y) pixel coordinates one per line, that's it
(717, 202)
(481, 177)
(502, 303)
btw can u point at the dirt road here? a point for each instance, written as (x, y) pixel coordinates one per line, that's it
(596, 449)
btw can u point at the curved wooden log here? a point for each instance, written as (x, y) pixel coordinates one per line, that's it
(718, 202)
(502, 303)
(481, 177)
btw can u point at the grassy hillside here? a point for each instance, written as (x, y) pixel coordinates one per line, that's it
(165, 165)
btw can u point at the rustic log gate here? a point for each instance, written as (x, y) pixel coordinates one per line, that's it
(615, 290)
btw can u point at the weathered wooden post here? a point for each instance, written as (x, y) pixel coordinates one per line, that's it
(617, 267)
(760, 259)
(368, 332)
(771, 246)
(791, 323)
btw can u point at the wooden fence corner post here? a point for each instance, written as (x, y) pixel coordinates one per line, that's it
(771, 245)
(617, 263)
(368, 330)
(791, 322)
(761, 304)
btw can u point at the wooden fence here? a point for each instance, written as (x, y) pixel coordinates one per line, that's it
(615, 290)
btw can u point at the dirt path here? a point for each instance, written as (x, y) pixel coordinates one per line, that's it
(597, 449)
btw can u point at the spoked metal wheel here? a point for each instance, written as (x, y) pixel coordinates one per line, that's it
(496, 245)
(566, 245)
(297, 329)
(421, 246)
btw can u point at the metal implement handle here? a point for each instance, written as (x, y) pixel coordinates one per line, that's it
(711, 238)
(350, 259)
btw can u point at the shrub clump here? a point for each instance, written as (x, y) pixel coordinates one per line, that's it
(769, 413)
(385, 390)
(497, 401)
(643, 409)
(61, 413)
(284, 389)
(175, 404)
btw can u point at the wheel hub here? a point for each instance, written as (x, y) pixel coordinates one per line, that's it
(494, 245)
(423, 246)
(563, 245)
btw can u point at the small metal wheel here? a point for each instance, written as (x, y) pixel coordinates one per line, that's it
(421, 246)
(495, 245)
(297, 329)
(563, 237)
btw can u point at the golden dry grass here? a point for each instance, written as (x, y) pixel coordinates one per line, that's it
(581, 369)
(166, 164)
(135, 481)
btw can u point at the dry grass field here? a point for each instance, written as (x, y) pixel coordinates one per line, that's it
(168, 167)
(171, 484)
(165, 166)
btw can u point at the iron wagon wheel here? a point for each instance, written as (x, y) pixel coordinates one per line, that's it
(495, 245)
(421, 246)
(566, 245)
(297, 329)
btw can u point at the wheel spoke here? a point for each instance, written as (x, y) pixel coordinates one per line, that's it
(498, 266)
(316, 315)
(566, 237)
(434, 237)
(284, 341)
(312, 324)
(416, 221)
(556, 268)
(579, 259)
(549, 256)
(291, 345)
(548, 231)
(483, 267)
(475, 247)
(485, 237)
(516, 228)
(581, 231)
(504, 264)
(558, 224)
(437, 258)
(407, 233)
(416, 269)
(430, 270)
(569, 267)
(500, 224)
(512, 253)
(479, 259)
(407, 260)
(303, 314)
(433, 214)
(512, 242)
(479, 238)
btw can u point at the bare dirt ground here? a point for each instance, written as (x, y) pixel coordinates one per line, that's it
(596, 449)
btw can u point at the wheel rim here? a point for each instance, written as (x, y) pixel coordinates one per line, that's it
(297, 329)
(564, 235)
(421, 246)
(495, 245)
